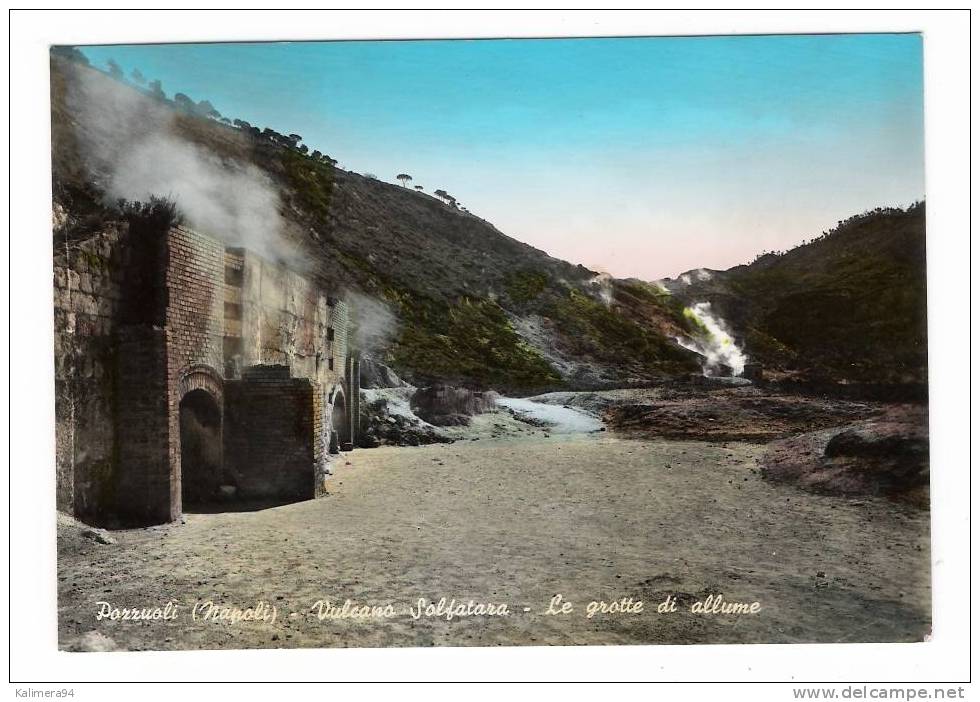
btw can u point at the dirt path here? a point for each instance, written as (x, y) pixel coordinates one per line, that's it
(517, 521)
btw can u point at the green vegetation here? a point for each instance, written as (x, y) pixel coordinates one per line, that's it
(311, 180)
(155, 216)
(590, 328)
(93, 260)
(645, 291)
(695, 325)
(466, 341)
(525, 286)
(652, 296)
(472, 340)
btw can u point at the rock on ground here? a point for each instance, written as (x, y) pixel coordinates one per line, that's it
(444, 405)
(387, 419)
(887, 455)
(720, 413)
(375, 374)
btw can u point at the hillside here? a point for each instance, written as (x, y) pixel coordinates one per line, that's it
(437, 292)
(440, 294)
(849, 305)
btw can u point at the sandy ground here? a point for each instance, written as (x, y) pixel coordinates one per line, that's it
(517, 521)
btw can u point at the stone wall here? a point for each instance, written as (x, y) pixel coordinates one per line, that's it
(284, 319)
(88, 287)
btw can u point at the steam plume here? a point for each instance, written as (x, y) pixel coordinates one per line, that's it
(132, 150)
(602, 283)
(375, 324)
(712, 340)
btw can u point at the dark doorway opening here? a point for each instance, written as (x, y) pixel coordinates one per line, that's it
(340, 424)
(200, 450)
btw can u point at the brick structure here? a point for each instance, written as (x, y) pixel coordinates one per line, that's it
(187, 369)
(272, 430)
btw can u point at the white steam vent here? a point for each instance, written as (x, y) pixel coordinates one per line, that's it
(712, 340)
(602, 283)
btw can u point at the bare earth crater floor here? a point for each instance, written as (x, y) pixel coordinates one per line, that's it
(517, 521)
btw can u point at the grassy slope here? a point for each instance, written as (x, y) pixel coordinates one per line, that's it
(453, 280)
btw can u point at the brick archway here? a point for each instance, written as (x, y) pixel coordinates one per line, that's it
(201, 377)
(199, 432)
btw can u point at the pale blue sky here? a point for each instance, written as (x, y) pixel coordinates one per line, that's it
(643, 157)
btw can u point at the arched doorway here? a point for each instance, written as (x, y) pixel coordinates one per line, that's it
(200, 448)
(340, 422)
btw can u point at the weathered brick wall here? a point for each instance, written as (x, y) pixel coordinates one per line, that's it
(272, 434)
(195, 324)
(321, 445)
(339, 383)
(195, 312)
(338, 319)
(142, 491)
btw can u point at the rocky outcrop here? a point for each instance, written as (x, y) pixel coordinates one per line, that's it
(709, 410)
(388, 420)
(446, 406)
(887, 455)
(375, 374)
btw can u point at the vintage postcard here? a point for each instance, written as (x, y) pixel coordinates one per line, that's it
(509, 342)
